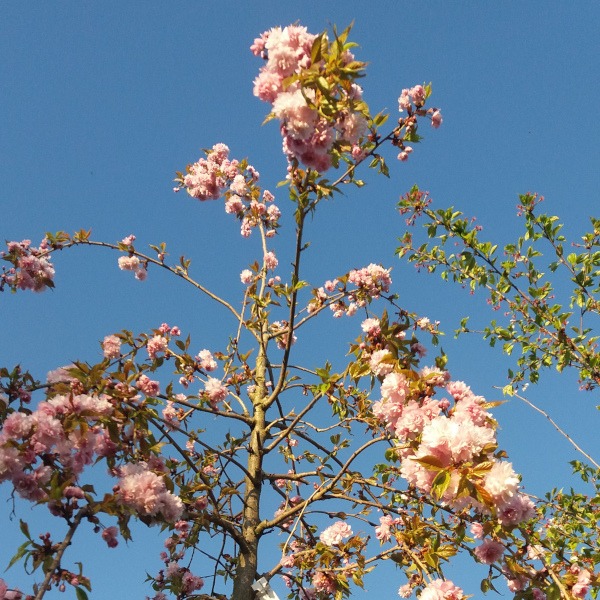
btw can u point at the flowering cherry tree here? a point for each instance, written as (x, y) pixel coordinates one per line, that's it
(384, 461)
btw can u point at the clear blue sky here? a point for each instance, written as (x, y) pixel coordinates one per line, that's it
(100, 103)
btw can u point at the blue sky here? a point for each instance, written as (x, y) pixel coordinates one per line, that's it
(100, 104)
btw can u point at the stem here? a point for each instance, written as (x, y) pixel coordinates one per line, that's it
(557, 427)
(179, 271)
(59, 553)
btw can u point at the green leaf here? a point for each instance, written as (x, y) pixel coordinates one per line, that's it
(24, 529)
(21, 551)
(440, 484)
(81, 594)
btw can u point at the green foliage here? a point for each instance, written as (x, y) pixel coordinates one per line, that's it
(522, 280)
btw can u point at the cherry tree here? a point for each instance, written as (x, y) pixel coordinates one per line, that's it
(384, 461)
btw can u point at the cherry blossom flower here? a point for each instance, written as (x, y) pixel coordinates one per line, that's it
(215, 390)
(439, 589)
(111, 347)
(335, 534)
(489, 551)
(109, 535)
(145, 492)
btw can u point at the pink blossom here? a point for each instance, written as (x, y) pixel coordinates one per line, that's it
(141, 274)
(501, 482)
(459, 390)
(335, 534)
(155, 345)
(477, 531)
(32, 267)
(128, 241)
(169, 414)
(381, 362)
(271, 261)
(516, 510)
(404, 101)
(582, 586)
(129, 263)
(287, 561)
(206, 360)
(395, 387)
(436, 119)
(238, 185)
(405, 591)
(439, 589)
(417, 93)
(148, 386)
(234, 205)
(371, 326)
(146, 493)
(372, 279)
(109, 535)
(205, 180)
(516, 583)
(215, 390)
(190, 583)
(383, 531)
(111, 347)
(72, 491)
(323, 583)
(489, 552)
(246, 276)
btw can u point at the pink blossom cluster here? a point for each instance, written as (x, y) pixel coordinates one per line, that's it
(440, 589)
(413, 100)
(417, 96)
(436, 436)
(109, 535)
(148, 386)
(217, 175)
(279, 329)
(111, 347)
(215, 391)
(307, 135)
(8, 594)
(206, 361)
(32, 445)
(335, 534)
(32, 269)
(370, 281)
(133, 263)
(383, 531)
(582, 585)
(144, 491)
(323, 582)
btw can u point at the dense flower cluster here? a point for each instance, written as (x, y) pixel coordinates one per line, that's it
(440, 589)
(216, 175)
(436, 437)
(111, 347)
(412, 100)
(32, 445)
(133, 263)
(145, 492)
(308, 135)
(32, 269)
(335, 534)
(370, 282)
